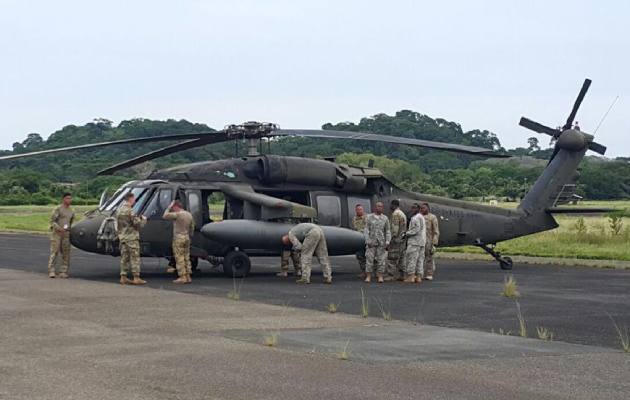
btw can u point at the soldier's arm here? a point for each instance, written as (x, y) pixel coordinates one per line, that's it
(388, 233)
(54, 217)
(413, 228)
(72, 219)
(171, 216)
(366, 233)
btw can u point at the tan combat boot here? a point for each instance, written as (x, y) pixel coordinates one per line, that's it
(410, 279)
(282, 274)
(303, 281)
(418, 279)
(379, 278)
(188, 278)
(124, 280)
(51, 274)
(137, 280)
(368, 278)
(181, 279)
(328, 281)
(63, 275)
(171, 270)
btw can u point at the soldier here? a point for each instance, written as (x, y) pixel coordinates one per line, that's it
(398, 224)
(60, 223)
(433, 237)
(287, 255)
(358, 224)
(183, 229)
(377, 235)
(129, 226)
(416, 240)
(314, 242)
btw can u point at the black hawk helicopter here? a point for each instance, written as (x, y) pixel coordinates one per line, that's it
(265, 194)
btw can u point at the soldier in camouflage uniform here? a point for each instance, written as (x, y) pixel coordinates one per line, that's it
(358, 224)
(60, 224)
(433, 238)
(377, 235)
(398, 223)
(129, 226)
(183, 229)
(313, 243)
(416, 239)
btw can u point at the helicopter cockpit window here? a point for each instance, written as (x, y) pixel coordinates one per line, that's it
(142, 195)
(116, 199)
(158, 203)
(329, 210)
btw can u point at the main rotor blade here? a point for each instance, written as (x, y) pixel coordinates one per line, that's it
(536, 127)
(112, 143)
(187, 145)
(329, 134)
(578, 102)
(597, 148)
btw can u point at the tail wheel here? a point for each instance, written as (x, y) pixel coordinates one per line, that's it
(236, 264)
(506, 263)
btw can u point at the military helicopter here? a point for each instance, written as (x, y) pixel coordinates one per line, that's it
(265, 194)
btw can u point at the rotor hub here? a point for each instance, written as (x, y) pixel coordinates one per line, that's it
(250, 130)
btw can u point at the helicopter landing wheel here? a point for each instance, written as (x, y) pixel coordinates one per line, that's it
(506, 263)
(236, 264)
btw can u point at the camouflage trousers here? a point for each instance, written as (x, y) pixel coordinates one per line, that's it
(375, 259)
(414, 260)
(429, 263)
(130, 257)
(59, 248)
(181, 253)
(284, 260)
(314, 245)
(395, 259)
(361, 260)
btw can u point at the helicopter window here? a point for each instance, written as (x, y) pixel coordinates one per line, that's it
(194, 207)
(354, 201)
(116, 199)
(158, 203)
(329, 210)
(142, 195)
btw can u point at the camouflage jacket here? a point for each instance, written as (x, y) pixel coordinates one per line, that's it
(129, 224)
(399, 226)
(433, 229)
(416, 234)
(61, 219)
(358, 223)
(377, 232)
(299, 232)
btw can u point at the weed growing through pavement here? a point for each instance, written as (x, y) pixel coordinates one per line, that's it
(510, 288)
(271, 340)
(623, 334)
(332, 307)
(235, 293)
(544, 334)
(345, 353)
(522, 327)
(365, 306)
(385, 310)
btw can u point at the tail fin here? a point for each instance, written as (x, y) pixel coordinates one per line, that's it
(560, 172)
(571, 145)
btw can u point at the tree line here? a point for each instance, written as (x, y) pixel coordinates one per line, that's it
(41, 180)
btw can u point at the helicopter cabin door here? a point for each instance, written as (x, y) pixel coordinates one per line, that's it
(331, 208)
(158, 233)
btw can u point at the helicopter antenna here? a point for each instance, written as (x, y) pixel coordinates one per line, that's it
(606, 114)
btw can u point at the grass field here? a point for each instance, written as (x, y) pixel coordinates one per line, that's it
(594, 240)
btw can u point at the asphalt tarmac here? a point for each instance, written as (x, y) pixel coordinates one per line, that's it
(577, 304)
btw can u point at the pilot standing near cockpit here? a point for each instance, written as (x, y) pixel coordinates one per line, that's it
(129, 225)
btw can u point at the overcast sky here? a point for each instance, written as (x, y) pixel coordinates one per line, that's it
(300, 64)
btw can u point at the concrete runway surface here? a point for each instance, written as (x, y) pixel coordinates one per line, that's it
(91, 338)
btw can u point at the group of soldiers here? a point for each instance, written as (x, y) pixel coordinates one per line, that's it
(128, 226)
(395, 250)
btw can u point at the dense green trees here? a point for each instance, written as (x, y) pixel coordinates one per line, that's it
(38, 180)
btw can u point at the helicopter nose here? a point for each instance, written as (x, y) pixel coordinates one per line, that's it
(83, 233)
